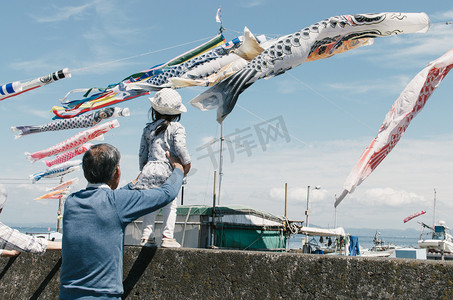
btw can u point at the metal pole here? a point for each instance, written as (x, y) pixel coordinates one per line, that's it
(307, 212)
(60, 211)
(182, 195)
(308, 206)
(213, 212)
(220, 162)
(286, 199)
(434, 212)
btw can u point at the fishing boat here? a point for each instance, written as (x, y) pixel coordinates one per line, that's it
(439, 241)
(379, 248)
(334, 241)
(223, 227)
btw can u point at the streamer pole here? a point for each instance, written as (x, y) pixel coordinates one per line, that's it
(220, 162)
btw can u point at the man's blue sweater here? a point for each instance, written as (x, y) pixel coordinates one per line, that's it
(94, 221)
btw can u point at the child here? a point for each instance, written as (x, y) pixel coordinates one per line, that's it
(163, 134)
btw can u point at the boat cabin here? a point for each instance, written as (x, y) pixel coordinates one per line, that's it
(225, 227)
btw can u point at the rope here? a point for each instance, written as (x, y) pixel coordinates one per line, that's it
(262, 119)
(330, 101)
(139, 55)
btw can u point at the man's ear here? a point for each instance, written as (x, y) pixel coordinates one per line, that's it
(117, 173)
(113, 183)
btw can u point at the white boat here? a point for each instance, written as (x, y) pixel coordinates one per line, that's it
(440, 240)
(50, 235)
(380, 248)
(334, 241)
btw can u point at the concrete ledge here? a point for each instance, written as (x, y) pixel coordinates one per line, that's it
(218, 274)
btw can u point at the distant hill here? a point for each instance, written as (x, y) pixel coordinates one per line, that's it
(384, 232)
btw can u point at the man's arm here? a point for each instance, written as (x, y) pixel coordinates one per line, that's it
(132, 204)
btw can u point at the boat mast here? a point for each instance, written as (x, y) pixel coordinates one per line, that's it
(286, 200)
(434, 211)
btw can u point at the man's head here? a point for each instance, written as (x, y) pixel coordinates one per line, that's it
(101, 164)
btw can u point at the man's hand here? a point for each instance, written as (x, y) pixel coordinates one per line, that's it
(175, 162)
(136, 179)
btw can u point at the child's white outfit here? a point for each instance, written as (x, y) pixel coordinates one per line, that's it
(156, 168)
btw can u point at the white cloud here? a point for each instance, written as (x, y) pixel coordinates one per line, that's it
(443, 16)
(253, 4)
(392, 84)
(43, 114)
(299, 194)
(34, 66)
(64, 13)
(414, 49)
(390, 197)
(286, 86)
(398, 187)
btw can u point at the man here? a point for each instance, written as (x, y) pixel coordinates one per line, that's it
(12, 242)
(94, 221)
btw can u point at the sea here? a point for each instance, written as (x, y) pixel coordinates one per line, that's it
(405, 239)
(35, 229)
(365, 241)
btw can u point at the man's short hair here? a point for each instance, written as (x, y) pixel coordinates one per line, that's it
(99, 163)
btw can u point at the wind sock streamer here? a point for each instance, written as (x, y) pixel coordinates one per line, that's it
(292, 50)
(57, 170)
(410, 102)
(59, 196)
(55, 194)
(17, 88)
(155, 78)
(82, 121)
(77, 140)
(64, 184)
(217, 70)
(68, 155)
(414, 216)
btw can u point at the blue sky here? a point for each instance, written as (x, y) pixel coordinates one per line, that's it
(332, 108)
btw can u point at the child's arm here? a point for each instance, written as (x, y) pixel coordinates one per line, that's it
(8, 253)
(179, 140)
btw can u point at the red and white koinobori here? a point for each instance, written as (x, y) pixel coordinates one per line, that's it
(410, 102)
(413, 216)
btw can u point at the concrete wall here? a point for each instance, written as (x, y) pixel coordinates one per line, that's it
(151, 273)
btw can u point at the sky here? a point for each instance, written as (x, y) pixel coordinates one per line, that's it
(331, 108)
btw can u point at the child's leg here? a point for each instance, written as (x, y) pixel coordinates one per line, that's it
(148, 225)
(169, 219)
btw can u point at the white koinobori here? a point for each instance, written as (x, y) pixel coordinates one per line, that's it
(410, 102)
(292, 50)
(17, 87)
